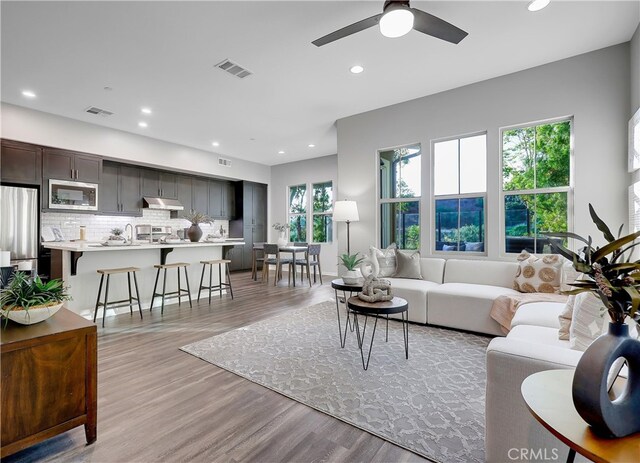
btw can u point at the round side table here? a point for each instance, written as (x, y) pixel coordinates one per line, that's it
(339, 285)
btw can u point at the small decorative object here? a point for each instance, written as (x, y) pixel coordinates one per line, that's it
(194, 233)
(282, 229)
(28, 301)
(615, 279)
(375, 290)
(116, 238)
(6, 273)
(351, 262)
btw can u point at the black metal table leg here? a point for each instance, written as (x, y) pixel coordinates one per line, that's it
(361, 338)
(571, 456)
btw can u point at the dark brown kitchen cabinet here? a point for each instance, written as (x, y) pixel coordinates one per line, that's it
(68, 165)
(200, 187)
(120, 190)
(159, 184)
(20, 163)
(185, 192)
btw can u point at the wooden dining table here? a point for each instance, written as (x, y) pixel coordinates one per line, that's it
(293, 250)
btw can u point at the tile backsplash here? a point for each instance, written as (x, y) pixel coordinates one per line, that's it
(99, 226)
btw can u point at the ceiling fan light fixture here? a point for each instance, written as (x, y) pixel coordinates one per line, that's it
(537, 5)
(396, 22)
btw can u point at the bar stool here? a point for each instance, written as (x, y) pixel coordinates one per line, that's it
(164, 293)
(221, 285)
(121, 303)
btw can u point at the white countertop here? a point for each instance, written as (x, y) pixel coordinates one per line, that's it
(91, 246)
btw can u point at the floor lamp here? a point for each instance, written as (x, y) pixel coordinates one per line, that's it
(346, 211)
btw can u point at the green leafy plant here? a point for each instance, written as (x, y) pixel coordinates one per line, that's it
(611, 274)
(23, 293)
(116, 234)
(196, 218)
(351, 261)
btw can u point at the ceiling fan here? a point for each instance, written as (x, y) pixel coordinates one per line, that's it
(397, 19)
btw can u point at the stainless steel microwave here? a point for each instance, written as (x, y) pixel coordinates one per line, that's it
(78, 196)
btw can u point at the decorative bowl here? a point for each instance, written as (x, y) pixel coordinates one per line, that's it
(116, 242)
(33, 315)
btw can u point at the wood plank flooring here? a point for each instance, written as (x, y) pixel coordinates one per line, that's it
(156, 403)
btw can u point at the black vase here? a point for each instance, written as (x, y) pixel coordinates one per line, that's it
(620, 417)
(194, 233)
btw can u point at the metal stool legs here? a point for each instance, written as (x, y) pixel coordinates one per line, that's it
(115, 304)
(221, 285)
(164, 292)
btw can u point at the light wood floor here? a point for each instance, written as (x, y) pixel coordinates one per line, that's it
(156, 403)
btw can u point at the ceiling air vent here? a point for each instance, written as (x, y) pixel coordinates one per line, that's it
(98, 111)
(233, 69)
(224, 162)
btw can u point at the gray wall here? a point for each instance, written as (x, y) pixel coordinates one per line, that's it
(635, 71)
(294, 173)
(594, 88)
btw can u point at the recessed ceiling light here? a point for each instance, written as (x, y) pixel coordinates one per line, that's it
(142, 124)
(357, 69)
(537, 5)
(146, 110)
(28, 94)
(311, 145)
(107, 89)
(281, 152)
(215, 143)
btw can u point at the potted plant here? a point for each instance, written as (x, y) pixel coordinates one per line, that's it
(351, 262)
(116, 238)
(28, 301)
(282, 229)
(612, 276)
(196, 218)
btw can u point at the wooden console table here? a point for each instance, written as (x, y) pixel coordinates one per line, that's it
(49, 380)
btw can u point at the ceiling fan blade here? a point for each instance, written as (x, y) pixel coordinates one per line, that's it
(436, 27)
(349, 30)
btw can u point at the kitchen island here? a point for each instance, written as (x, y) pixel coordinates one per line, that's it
(77, 262)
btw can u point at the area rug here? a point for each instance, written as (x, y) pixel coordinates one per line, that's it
(431, 404)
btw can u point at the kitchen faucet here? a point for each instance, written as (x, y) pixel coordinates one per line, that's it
(130, 235)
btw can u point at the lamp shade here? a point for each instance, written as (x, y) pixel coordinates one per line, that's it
(345, 211)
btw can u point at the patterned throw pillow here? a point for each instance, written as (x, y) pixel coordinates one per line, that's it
(384, 260)
(538, 275)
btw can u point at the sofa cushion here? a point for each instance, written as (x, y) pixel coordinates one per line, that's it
(538, 314)
(564, 319)
(408, 265)
(432, 269)
(415, 292)
(537, 335)
(480, 272)
(465, 306)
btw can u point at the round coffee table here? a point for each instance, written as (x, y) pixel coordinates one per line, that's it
(397, 305)
(339, 285)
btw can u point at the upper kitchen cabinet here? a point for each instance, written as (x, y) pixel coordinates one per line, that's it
(20, 163)
(200, 189)
(120, 190)
(67, 165)
(221, 199)
(159, 184)
(185, 192)
(254, 203)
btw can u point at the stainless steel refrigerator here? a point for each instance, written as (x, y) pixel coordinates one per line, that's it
(19, 223)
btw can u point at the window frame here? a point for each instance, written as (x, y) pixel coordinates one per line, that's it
(380, 201)
(570, 190)
(309, 213)
(459, 196)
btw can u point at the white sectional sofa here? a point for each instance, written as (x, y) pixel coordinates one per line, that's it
(459, 294)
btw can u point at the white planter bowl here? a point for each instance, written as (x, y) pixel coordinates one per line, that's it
(33, 315)
(351, 277)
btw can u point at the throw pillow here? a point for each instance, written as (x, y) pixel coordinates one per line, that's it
(590, 320)
(538, 275)
(408, 265)
(474, 246)
(449, 247)
(568, 276)
(565, 319)
(384, 260)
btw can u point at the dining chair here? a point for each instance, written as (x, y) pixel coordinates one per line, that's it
(311, 259)
(257, 257)
(300, 244)
(272, 257)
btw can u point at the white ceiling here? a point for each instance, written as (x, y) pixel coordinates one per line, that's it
(162, 55)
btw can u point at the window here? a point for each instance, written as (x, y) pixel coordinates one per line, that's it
(322, 230)
(320, 212)
(400, 177)
(536, 184)
(459, 189)
(298, 213)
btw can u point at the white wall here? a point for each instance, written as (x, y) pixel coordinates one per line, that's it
(295, 173)
(27, 125)
(594, 88)
(635, 71)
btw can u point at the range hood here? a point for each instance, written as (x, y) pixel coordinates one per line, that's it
(164, 204)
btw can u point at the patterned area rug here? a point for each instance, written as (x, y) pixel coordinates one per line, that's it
(431, 404)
